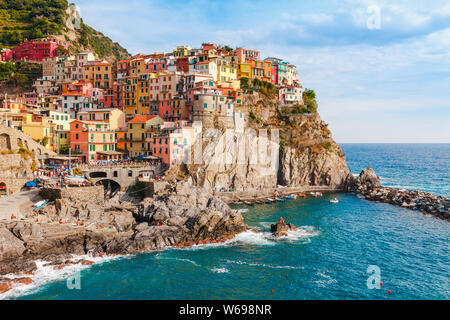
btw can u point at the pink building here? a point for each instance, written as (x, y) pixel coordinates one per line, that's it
(243, 55)
(290, 95)
(153, 65)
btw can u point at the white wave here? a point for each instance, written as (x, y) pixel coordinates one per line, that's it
(45, 274)
(261, 238)
(159, 256)
(255, 264)
(220, 270)
(304, 232)
(254, 238)
(327, 279)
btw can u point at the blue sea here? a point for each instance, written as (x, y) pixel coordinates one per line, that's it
(326, 258)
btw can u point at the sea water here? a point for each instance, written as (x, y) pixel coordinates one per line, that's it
(326, 258)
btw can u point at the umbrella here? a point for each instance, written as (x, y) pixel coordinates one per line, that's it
(30, 184)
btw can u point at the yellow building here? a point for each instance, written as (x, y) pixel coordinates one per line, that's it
(15, 119)
(225, 69)
(42, 131)
(62, 140)
(138, 135)
(61, 120)
(100, 74)
(244, 70)
(181, 51)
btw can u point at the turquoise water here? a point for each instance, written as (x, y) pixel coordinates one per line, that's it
(327, 258)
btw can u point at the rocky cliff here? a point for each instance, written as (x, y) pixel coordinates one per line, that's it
(284, 147)
(182, 215)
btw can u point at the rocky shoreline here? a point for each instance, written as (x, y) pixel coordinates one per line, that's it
(368, 184)
(182, 216)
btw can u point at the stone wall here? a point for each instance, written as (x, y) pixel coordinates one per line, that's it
(13, 185)
(12, 139)
(15, 171)
(153, 187)
(94, 195)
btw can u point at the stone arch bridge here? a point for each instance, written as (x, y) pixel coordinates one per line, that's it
(13, 139)
(120, 177)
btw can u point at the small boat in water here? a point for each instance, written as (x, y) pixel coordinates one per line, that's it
(302, 195)
(335, 200)
(248, 203)
(259, 202)
(280, 200)
(289, 197)
(270, 200)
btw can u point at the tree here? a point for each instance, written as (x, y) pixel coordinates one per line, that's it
(309, 99)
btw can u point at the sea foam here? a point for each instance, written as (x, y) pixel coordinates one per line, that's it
(45, 274)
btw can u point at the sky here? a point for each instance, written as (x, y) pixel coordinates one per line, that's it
(380, 69)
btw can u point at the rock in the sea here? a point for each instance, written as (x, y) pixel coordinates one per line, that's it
(7, 285)
(368, 184)
(281, 228)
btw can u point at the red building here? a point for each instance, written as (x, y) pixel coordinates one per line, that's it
(79, 139)
(38, 49)
(6, 55)
(183, 64)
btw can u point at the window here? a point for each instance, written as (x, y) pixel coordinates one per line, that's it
(130, 173)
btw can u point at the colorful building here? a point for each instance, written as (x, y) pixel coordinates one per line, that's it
(39, 49)
(138, 135)
(93, 141)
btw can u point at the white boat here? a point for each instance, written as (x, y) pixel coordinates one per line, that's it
(40, 203)
(335, 200)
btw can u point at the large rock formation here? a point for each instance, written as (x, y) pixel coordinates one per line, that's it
(368, 184)
(306, 167)
(10, 246)
(300, 150)
(184, 215)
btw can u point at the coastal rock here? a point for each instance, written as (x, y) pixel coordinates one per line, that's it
(10, 246)
(186, 214)
(303, 166)
(7, 285)
(368, 184)
(280, 229)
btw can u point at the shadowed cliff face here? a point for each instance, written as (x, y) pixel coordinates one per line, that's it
(309, 155)
(297, 150)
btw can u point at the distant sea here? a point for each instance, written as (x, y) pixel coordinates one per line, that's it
(326, 258)
(418, 166)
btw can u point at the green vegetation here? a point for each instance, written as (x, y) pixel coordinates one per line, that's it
(30, 19)
(19, 74)
(327, 145)
(102, 45)
(22, 20)
(309, 98)
(266, 88)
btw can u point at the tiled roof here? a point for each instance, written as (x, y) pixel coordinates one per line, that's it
(141, 119)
